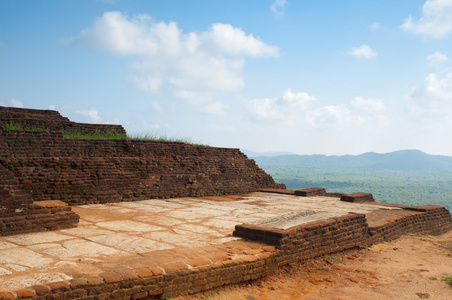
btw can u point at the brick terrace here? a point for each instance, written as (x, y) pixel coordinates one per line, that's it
(156, 248)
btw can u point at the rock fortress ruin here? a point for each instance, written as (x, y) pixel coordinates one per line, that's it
(133, 219)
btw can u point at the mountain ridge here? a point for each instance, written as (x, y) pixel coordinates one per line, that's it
(401, 160)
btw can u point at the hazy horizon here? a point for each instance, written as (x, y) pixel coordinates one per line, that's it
(270, 76)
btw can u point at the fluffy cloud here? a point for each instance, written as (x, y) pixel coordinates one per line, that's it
(288, 107)
(435, 20)
(195, 62)
(90, 114)
(363, 51)
(370, 105)
(16, 103)
(375, 26)
(295, 109)
(437, 59)
(335, 117)
(277, 7)
(433, 99)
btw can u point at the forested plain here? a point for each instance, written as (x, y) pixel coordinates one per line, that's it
(413, 186)
(401, 187)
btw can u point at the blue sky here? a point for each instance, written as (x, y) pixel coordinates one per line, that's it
(308, 77)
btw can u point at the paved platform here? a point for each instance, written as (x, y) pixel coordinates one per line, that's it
(171, 235)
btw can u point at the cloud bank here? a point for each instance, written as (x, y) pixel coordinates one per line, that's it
(435, 20)
(437, 59)
(191, 63)
(432, 101)
(296, 109)
(363, 51)
(278, 7)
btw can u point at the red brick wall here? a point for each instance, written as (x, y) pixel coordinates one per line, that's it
(294, 244)
(51, 120)
(18, 213)
(79, 171)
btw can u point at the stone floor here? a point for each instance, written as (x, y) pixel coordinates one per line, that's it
(170, 234)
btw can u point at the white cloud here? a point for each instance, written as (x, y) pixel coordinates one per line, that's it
(196, 62)
(278, 7)
(216, 108)
(233, 41)
(335, 117)
(288, 107)
(437, 59)
(433, 99)
(435, 20)
(157, 107)
(16, 103)
(91, 114)
(363, 51)
(370, 105)
(375, 26)
(439, 86)
(295, 109)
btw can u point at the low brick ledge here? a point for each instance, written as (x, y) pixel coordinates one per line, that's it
(358, 197)
(248, 263)
(315, 191)
(194, 275)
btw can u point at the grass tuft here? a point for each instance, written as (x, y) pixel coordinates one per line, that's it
(108, 135)
(163, 138)
(18, 126)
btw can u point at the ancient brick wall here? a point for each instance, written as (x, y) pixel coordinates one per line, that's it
(80, 171)
(51, 120)
(19, 214)
(430, 219)
(293, 245)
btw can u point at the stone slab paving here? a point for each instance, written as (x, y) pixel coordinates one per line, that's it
(170, 235)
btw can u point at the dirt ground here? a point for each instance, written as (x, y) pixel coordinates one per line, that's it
(412, 267)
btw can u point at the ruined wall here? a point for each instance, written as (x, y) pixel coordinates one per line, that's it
(79, 171)
(19, 214)
(40, 168)
(51, 120)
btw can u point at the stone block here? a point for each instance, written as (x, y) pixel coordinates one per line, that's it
(358, 197)
(315, 191)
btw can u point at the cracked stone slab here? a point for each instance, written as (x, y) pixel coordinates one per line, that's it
(6, 245)
(83, 248)
(141, 206)
(223, 224)
(160, 220)
(4, 271)
(199, 229)
(22, 281)
(130, 243)
(287, 221)
(85, 232)
(37, 238)
(184, 215)
(168, 236)
(168, 204)
(127, 225)
(23, 257)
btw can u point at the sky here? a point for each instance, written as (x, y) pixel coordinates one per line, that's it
(306, 77)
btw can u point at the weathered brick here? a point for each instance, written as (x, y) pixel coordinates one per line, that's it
(41, 289)
(200, 261)
(110, 277)
(144, 272)
(26, 293)
(59, 286)
(7, 296)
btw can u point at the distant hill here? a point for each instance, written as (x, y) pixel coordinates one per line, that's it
(252, 154)
(404, 160)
